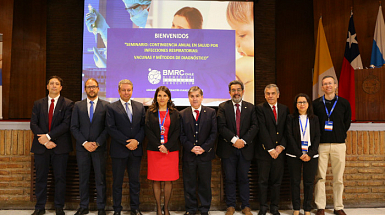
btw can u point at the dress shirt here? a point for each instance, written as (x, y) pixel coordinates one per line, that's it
(235, 138)
(276, 109)
(54, 106)
(195, 114)
(129, 105)
(89, 105)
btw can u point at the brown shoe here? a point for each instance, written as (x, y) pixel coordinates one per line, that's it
(230, 211)
(247, 211)
(320, 212)
(339, 212)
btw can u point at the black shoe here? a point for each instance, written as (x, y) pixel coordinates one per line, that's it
(59, 211)
(190, 213)
(82, 211)
(117, 213)
(38, 212)
(204, 213)
(262, 212)
(101, 212)
(136, 212)
(276, 212)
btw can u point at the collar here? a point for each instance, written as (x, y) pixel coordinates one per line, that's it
(56, 98)
(124, 103)
(199, 109)
(240, 103)
(271, 106)
(95, 100)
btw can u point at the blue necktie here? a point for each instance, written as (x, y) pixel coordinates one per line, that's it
(128, 112)
(91, 110)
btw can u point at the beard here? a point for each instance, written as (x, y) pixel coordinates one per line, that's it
(236, 100)
(92, 95)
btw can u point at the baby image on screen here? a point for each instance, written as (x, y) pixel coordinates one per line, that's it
(240, 16)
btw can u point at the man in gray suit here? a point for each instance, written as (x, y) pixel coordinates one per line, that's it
(89, 129)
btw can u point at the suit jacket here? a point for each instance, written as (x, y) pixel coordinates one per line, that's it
(293, 135)
(207, 133)
(60, 127)
(83, 130)
(153, 131)
(121, 129)
(270, 134)
(227, 129)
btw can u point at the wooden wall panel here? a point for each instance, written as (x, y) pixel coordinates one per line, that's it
(27, 80)
(295, 49)
(6, 22)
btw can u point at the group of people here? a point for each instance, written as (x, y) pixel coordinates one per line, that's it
(306, 139)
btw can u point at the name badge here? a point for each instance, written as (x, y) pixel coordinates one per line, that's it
(305, 146)
(162, 139)
(328, 125)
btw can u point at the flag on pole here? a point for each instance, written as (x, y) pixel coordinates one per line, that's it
(323, 64)
(378, 48)
(352, 60)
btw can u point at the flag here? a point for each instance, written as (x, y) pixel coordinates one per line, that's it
(352, 60)
(378, 48)
(323, 64)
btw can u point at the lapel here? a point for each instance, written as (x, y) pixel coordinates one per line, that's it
(57, 109)
(202, 115)
(244, 113)
(230, 111)
(270, 113)
(297, 131)
(84, 109)
(190, 118)
(45, 109)
(123, 110)
(281, 113)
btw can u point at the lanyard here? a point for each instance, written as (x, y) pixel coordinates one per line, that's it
(326, 109)
(303, 131)
(161, 127)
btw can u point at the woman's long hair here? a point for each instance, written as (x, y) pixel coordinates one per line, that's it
(155, 106)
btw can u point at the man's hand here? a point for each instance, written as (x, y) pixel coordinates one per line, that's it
(50, 145)
(279, 149)
(239, 144)
(197, 150)
(274, 154)
(90, 146)
(42, 138)
(132, 144)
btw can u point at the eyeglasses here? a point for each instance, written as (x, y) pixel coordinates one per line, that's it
(236, 90)
(92, 87)
(301, 103)
(327, 84)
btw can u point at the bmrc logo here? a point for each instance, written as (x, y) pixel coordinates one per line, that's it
(154, 76)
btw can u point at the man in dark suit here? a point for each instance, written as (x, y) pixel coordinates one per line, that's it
(237, 126)
(89, 129)
(198, 134)
(50, 124)
(271, 143)
(125, 124)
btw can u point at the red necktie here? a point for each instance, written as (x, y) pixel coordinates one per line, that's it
(238, 119)
(275, 113)
(197, 117)
(50, 113)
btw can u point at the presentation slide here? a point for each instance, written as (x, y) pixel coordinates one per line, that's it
(178, 44)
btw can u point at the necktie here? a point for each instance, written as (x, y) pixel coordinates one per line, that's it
(91, 110)
(197, 117)
(275, 113)
(238, 119)
(50, 113)
(129, 114)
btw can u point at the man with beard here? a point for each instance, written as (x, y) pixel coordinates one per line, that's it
(237, 126)
(89, 129)
(271, 142)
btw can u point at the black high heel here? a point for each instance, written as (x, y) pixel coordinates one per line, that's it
(164, 212)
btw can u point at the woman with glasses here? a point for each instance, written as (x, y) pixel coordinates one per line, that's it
(303, 137)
